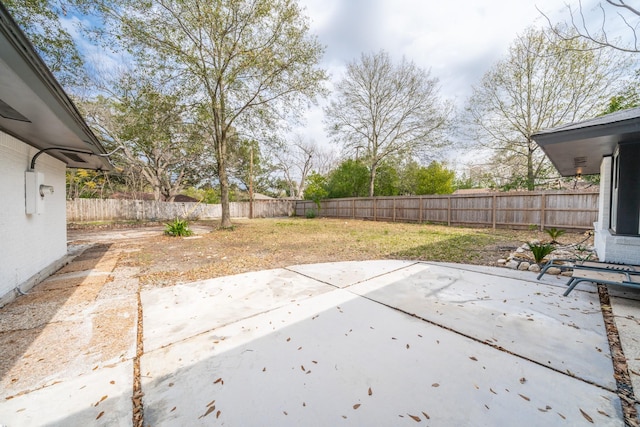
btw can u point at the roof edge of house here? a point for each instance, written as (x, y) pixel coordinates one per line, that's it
(14, 34)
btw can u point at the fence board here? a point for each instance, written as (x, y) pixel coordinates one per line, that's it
(82, 210)
(566, 209)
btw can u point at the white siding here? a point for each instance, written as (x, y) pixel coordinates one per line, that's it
(28, 243)
(611, 248)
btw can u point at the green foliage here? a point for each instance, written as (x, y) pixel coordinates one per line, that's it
(178, 228)
(41, 22)
(387, 182)
(316, 188)
(310, 214)
(540, 250)
(206, 195)
(159, 142)
(592, 179)
(86, 184)
(583, 254)
(349, 179)
(554, 233)
(628, 98)
(250, 62)
(434, 179)
(517, 182)
(464, 183)
(248, 165)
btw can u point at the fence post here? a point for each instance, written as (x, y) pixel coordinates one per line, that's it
(449, 210)
(543, 202)
(394, 209)
(493, 211)
(375, 210)
(353, 208)
(420, 209)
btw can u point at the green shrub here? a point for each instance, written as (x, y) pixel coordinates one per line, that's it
(540, 250)
(178, 228)
(310, 214)
(554, 233)
(581, 255)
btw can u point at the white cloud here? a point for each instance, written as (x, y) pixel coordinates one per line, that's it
(457, 40)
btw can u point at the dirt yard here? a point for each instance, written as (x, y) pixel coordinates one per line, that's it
(260, 244)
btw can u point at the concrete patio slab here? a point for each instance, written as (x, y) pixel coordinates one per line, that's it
(354, 343)
(390, 343)
(343, 274)
(182, 311)
(337, 359)
(102, 397)
(529, 319)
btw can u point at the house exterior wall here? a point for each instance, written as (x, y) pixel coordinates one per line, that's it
(609, 247)
(29, 244)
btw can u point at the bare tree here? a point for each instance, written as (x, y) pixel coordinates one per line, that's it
(384, 109)
(297, 159)
(612, 15)
(542, 83)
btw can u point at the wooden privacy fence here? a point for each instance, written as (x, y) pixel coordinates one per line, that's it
(566, 210)
(81, 210)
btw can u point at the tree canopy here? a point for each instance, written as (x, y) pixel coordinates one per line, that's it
(246, 64)
(41, 22)
(382, 109)
(543, 82)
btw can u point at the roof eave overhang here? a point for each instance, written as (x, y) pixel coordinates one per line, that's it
(578, 149)
(35, 109)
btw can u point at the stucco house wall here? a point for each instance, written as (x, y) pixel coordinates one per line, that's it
(31, 246)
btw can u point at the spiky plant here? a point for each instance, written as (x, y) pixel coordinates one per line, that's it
(540, 250)
(554, 233)
(178, 228)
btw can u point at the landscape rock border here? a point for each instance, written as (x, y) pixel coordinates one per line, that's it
(522, 258)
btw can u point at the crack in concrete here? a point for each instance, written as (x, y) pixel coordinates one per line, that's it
(620, 367)
(137, 393)
(497, 347)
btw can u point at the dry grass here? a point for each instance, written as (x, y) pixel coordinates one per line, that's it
(271, 243)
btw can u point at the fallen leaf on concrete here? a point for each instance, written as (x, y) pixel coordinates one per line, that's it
(586, 416)
(209, 410)
(415, 418)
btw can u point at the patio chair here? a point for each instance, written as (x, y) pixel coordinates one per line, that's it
(596, 265)
(581, 274)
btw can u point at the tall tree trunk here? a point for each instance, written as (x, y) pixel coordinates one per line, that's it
(531, 179)
(225, 222)
(372, 179)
